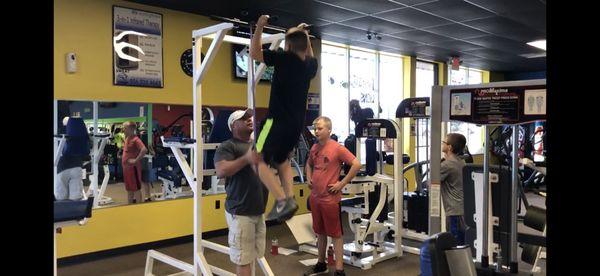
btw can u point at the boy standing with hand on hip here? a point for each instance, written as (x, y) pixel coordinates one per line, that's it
(322, 172)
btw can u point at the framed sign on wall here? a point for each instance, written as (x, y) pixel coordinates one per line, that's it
(137, 48)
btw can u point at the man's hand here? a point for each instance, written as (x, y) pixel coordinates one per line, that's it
(335, 188)
(262, 21)
(303, 26)
(310, 185)
(251, 157)
(131, 161)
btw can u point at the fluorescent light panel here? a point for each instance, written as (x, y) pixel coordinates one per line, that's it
(540, 44)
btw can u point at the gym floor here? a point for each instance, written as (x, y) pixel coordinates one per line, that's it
(134, 263)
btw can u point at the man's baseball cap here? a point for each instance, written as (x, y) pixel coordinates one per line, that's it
(238, 114)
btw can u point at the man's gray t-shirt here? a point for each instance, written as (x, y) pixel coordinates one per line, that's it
(452, 186)
(246, 195)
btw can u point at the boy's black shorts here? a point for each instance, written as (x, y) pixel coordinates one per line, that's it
(277, 140)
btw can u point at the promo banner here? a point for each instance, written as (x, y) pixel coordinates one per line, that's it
(137, 48)
(499, 105)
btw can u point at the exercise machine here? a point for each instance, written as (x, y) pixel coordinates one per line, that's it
(490, 105)
(195, 172)
(368, 209)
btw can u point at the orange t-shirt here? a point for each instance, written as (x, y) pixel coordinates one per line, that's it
(326, 161)
(131, 149)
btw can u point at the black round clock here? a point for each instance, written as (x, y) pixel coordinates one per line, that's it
(186, 62)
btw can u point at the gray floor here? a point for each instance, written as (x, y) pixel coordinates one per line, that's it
(133, 263)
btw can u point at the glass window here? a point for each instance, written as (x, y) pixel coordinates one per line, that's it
(473, 133)
(425, 78)
(334, 83)
(391, 85)
(458, 77)
(475, 76)
(363, 77)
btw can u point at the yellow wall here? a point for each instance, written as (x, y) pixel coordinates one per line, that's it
(85, 28)
(115, 227)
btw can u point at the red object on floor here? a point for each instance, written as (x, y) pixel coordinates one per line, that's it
(330, 260)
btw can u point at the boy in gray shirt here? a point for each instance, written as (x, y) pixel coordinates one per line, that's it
(452, 185)
(246, 195)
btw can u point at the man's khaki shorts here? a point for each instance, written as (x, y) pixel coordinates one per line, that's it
(247, 236)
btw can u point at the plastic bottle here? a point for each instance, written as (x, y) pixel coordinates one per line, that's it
(330, 260)
(274, 247)
(499, 261)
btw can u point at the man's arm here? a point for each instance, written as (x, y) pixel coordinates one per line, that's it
(309, 50)
(309, 171)
(256, 43)
(227, 168)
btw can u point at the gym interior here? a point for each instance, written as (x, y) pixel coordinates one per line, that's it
(394, 78)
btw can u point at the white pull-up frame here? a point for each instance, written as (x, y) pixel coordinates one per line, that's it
(194, 174)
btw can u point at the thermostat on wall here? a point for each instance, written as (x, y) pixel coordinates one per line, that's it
(71, 63)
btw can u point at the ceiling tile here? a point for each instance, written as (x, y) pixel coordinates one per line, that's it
(344, 31)
(397, 43)
(456, 31)
(317, 10)
(496, 55)
(411, 2)
(377, 25)
(413, 18)
(456, 10)
(504, 44)
(421, 36)
(456, 45)
(506, 28)
(365, 6)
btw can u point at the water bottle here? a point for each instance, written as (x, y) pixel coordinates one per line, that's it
(499, 261)
(274, 247)
(330, 260)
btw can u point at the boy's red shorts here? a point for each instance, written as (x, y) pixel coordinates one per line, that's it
(327, 217)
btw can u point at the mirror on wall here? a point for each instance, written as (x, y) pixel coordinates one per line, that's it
(157, 175)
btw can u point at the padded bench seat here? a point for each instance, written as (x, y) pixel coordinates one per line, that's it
(68, 210)
(352, 201)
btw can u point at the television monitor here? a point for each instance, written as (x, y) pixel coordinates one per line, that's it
(240, 64)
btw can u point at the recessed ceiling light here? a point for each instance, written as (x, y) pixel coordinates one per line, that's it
(541, 44)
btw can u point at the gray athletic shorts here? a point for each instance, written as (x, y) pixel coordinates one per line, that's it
(247, 236)
(69, 185)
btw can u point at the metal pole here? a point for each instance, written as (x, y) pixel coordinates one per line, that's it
(514, 265)
(252, 87)
(55, 144)
(94, 183)
(486, 197)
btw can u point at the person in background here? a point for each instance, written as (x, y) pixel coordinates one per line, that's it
(133, 152)
(452, 185)
(69, 184)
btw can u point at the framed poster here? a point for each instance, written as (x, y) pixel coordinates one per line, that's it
(137, 48)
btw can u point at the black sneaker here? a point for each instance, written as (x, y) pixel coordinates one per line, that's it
(319, 268)
(283, 213)
(339, 273)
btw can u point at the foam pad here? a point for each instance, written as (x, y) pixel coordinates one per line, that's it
(68, 210)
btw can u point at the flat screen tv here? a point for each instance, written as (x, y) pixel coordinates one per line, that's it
(240, 64)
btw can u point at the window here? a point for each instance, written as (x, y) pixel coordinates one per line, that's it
(334, 83)
(390, 85)
(473, 133)
(426, 77)
(363, 69)
(373, 78)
